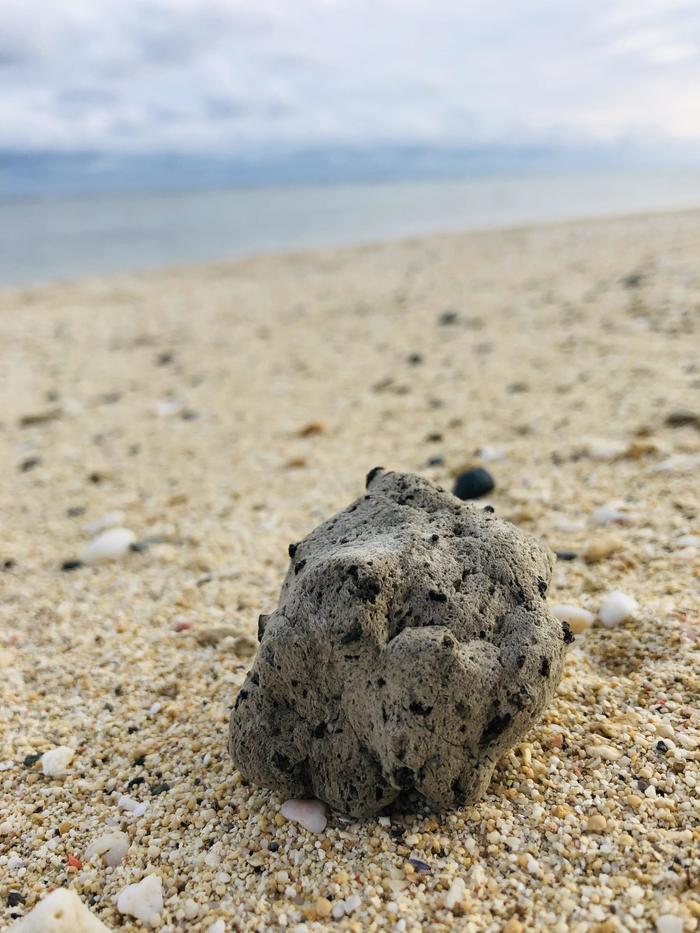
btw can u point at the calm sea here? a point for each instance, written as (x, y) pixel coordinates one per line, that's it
(41, 240)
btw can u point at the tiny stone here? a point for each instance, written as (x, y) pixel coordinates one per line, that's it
(566, 555)
(473, 484)
(578, 619)
(602, 547)
(143, 900)
(669, 923)
(456, 894)
(311, 814)
(108, 545)
(111, 847)
(616, 608)
(323, 907)
(55, 761)
(596, 823)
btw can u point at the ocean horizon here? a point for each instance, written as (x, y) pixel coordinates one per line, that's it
(66, 237)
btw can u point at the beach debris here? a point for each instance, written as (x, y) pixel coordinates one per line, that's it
(617, 607)
(311, 814)
(62, 911)
(56, 760)
(579, 620)
(411, 647)
(112, 848)
(474, 483)
(143, 900)
(108, 545)
(131, 806)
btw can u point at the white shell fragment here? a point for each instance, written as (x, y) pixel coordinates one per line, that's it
(311, 814)
(579, 620)
(131, 805)
(61, 912)
(143, 900)
(617, 607)
(55, 761)
(111, 847)
(614, 513)
(456, 894)
(109, 545)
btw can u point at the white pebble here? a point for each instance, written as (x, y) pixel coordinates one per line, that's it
(688, 541)
(109, 545)
(61, 912)
(167, 407)
(491, 454)
(190, 909)
(143, 900)
(606, 752)
(338, 910)
(578, 619)
(111, 847)
(131, 805)
(311, 814)
(456, 894)
(603, 449)
(668, 923)
(218, 926)
(55, 761)
(616, 608)
(352, 903)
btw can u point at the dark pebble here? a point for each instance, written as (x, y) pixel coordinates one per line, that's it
(422, 867)
(14, 899)
(633, 280)
(436, 461)
(566, 555)
(414, 359)
(9, 563)
(434, 438)
(473, 484)
(138, 546)
(75, 510)
(273, 846)
(448, 317)
(29, 464)
(31, 760)
(159, 788)
(141, 760)
(72, 564)
(683, 419)
(164, 358)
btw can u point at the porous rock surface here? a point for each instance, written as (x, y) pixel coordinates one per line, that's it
(411, 647)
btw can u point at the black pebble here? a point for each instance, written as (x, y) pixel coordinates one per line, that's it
(414, 359)
(448, 317)
(141, 760)
(75, 510)
(566, 555)
(68, 565)
(29, 464)
(9, 563)
(31, 760)
(14, 899)
(436, 461)
(159, 788)
(474, 483)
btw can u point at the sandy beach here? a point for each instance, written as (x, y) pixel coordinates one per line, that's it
(220, 412)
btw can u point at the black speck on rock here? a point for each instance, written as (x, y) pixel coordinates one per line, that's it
(473, 484)
(292, 549)
(567, 633)
(372, 474)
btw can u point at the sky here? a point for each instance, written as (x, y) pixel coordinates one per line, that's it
(236, 76)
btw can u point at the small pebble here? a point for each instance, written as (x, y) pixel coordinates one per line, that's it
(473, 484)
(669, 923)
(578, 619)
(602, 547)
(611, 514)
(218, 926)
(62, 911)
(456, 893)
(617, 607)
(108, 545)
(566, 555)
(143, 900)
(55, 761)
(110, 520)
(311, 814)
(111, 847)
(596, 823)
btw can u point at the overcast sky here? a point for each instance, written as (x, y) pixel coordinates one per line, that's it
(203, 76)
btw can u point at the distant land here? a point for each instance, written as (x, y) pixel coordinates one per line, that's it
(60, 174)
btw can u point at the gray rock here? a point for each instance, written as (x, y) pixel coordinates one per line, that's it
(412, 646)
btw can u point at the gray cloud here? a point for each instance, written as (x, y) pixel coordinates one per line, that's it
(233, 75)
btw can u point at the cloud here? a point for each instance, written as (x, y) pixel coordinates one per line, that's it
(231, 76)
